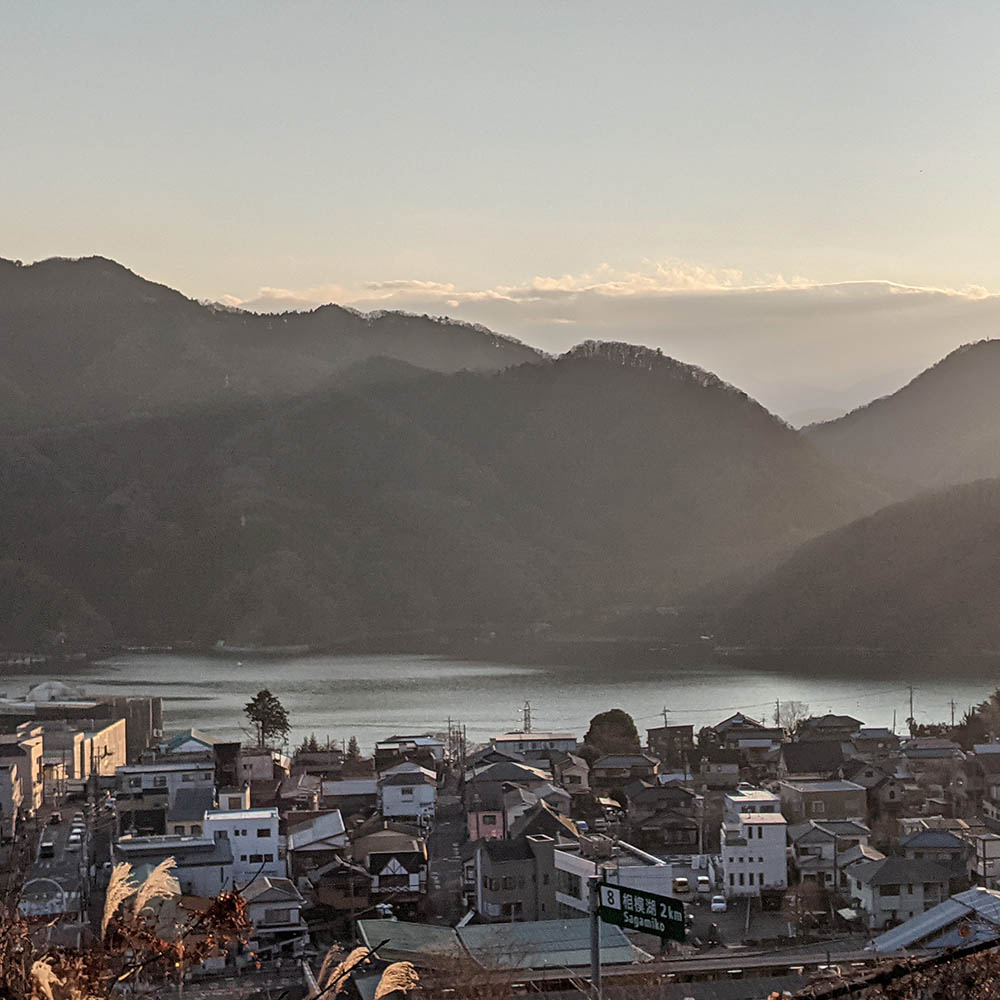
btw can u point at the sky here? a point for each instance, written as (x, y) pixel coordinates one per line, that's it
(671, 173)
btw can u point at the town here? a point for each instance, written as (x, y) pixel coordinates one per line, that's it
(797, 846)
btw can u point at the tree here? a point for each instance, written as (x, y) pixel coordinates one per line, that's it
(790, 713)
(310, 745)
(612, 732)
(353, 750)
(268, 716)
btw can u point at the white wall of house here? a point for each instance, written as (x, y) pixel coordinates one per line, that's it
(408, 801)
(753, 854)
(162, 777)
(891, 904)
(253, 839)
(10, 799)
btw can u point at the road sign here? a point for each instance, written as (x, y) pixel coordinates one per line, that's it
(635, 910)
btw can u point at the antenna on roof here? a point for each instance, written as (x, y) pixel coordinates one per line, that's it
(526, 723)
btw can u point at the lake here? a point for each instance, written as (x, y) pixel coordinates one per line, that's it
(373, 696)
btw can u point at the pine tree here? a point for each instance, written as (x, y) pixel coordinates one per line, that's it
(268, 716)
(353, 750)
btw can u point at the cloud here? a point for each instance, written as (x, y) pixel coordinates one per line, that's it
(794, 343)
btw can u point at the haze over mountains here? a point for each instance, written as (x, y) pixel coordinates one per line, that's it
(174, 471)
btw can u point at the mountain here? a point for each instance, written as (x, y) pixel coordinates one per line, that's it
(392, 500)
(941, 429)
(88, 339)
(917, 575)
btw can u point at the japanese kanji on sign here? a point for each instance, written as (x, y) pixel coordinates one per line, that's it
(635, 910)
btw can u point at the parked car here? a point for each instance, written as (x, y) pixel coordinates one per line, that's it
(704, 883)
(719, 904)
(681, 886)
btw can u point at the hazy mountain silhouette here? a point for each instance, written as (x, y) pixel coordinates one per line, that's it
(920, 574)
(397, 500)
(88, 339)
(942, 428)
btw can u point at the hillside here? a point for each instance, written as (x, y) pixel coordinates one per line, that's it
(87, 339)
(400, 501)
(921, 574)
(941, 429)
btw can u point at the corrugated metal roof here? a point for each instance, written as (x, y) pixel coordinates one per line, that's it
(541, 944)
(978, 904)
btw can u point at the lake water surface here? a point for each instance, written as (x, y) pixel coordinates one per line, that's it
(374, 696)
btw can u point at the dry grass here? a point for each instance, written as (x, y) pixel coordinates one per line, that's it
(159, 884)
(338, 974)
(45, 976)
(400, 977)
(120, 888)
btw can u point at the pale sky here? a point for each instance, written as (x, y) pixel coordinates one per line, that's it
(441, 153)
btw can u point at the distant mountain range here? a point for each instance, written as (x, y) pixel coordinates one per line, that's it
(174, 471)
(87, 339)
(941, 429)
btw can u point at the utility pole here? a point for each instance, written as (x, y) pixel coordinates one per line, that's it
(912, 720)
(664, 714)
(952, 703)
(777, 712)
(526, 724)
(594, 885)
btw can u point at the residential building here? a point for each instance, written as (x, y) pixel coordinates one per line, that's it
(673, 746)
(253, 837)
(187, 815)
(753, 854)
(819, 850)
(748, 799)
(614, 771)
(10, 799)
(823, 800)
(985, 863)
(885, 792)
(424, 742)
(25, 748)
(274, 908)
(396, 861)
(408, 794)
(896, 889)
(941, 846)
(665, 818)
(718, 768)
(874, 743)
(522, 742)
(204, 866)
(315, 842)
(836, 728)
(147, 792)
(350, 795)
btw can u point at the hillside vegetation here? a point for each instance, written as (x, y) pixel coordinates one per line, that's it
(393, 500)
(918, 575)
(941, 429)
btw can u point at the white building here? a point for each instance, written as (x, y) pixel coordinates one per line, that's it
(204, 866)
(10, 799)
(253, 838)
(403, 744)
(274, 907)
(164, 778)
(25, 748)
(747, 799)
(753, 854)
(522, 742)
(407, 794)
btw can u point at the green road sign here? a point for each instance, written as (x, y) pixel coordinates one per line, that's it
(635, 910)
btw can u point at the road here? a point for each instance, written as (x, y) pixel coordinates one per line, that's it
(443, 902)
(57, 884)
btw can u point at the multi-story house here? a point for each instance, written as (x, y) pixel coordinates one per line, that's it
(10, 799)
(823, 800)
(147, 792)
(253, 837)
(408, 794)
(274, 907)
(614, 771)
(25, 748)
(396, 861)
(753, 852)
(896, 889)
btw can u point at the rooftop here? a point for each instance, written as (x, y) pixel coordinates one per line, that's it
(535, 736)
(899, 871)
(241, 814)
(765, 819)
(977, 908)
(820, 785)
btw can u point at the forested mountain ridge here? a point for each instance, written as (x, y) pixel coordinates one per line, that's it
(941, 429)
(394, 500)
(917, 575)
(87, 339)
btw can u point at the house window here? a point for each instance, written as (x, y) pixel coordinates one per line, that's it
(818, 806)
(268, 857)
(545, 879)
(196, 829)
(276, 916)
(489, 821)
(243, 857)
(407, 793)
(160, 780)
(732, 880)
(179, 829)
(750, 877)
(263, 831)
(741, 878)
(135, 782)
(187, 777)
(508, 882)
(256, 859)
(205, 776)
(235, 802)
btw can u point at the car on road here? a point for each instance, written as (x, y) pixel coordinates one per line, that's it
(55, 819)
(704, 883)
(719, 904)
(681, 886)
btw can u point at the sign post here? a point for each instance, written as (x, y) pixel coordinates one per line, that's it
(637, 910)
(594, 885)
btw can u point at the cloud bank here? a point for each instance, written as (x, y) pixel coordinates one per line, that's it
(805, 349)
